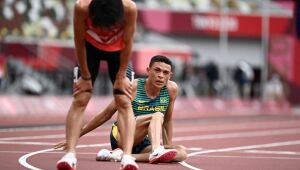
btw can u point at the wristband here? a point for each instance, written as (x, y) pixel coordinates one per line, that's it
(86, 78)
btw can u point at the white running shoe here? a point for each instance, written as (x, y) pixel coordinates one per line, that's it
(160, 155)
(107, 155)
(117, 155)
(67, 162)
(128, 163)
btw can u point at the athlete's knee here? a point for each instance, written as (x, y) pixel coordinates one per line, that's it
(122, 101)
(158, 116)
(82, 99)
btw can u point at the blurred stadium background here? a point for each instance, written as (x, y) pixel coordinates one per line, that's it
(232, 57)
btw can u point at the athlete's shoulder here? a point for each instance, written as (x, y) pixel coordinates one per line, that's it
(82, 5)
(129, 6)
(172, 88)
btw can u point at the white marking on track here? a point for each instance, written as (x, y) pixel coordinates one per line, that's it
(187, 138)
(57, 136)
(240, 126)
(268, 145)
(286, 143)
(240, 134)
(272, 152)
(194, 149)
(27, 143)
(23, 159)
(247, 157)
(38, 128)
(184, 138)
(183, 163)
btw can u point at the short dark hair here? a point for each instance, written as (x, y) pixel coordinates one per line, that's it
(160, 58)
(106, 13)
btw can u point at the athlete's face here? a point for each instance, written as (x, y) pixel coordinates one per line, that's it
(159, 74)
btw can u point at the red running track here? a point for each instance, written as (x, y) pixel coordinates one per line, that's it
(235, 143)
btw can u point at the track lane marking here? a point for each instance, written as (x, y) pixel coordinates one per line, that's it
(286, 143)
(240, 134)
(247, 157)
(272, 152)
(200, 137)
(23, 159)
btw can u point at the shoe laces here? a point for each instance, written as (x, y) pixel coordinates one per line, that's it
(158, 150)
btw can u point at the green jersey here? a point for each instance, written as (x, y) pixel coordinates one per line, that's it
(143, 105)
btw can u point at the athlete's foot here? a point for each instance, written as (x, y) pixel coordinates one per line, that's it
(128, 163)
(67, 162)
(161, 155)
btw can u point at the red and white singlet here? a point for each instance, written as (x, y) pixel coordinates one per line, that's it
(111, 40)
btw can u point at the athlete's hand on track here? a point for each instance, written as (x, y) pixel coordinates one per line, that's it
(61, 145)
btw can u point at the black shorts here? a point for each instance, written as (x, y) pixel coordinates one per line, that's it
(135, 149)
(94, 56)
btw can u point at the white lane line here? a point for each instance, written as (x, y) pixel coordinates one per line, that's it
(53, 152)
(42, 128)
(27, 143)
(247, 157)
(25, 152)
(37, 128)
(268, 145)
(240, 134)
(56, 136)
(194, 149)
(272, 152)
(183, 163)
(184, 138)
(286, 143)
(248, 126)
(33, 137)
(202, 137)
(23, 159)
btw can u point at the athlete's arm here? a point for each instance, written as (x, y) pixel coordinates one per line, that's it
(122, 82)
(105, 115)
(99, 119)
(80, 13)
(168, 124)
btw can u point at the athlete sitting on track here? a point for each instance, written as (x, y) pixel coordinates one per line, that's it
(153, 103)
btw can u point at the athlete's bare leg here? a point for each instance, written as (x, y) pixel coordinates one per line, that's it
(74, 120)
(150, 124)
(155, 129)
(142, 129)
(126, 122)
